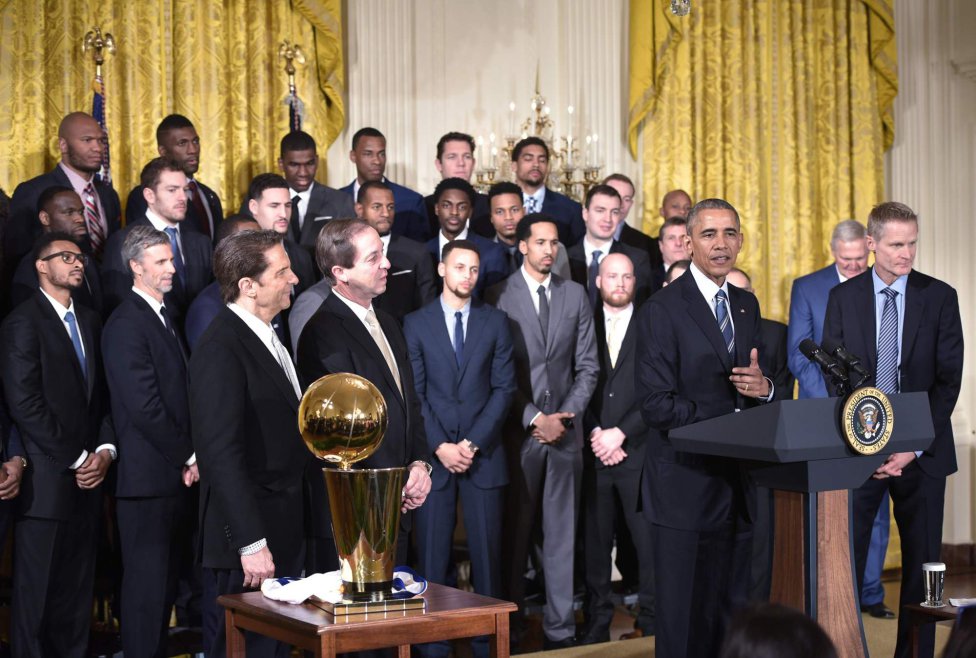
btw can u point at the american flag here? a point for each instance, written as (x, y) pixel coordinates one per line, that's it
(296, 108)
(98, 111)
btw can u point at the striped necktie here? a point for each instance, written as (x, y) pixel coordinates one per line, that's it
(887, 374)
(96, 232)
(724, 321)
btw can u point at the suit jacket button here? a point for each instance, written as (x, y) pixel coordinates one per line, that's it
(611, 395)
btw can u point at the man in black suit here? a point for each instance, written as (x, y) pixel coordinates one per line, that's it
(672, 246)
(625, 232)
(348, 335)
(455, 159)
(601, 216)
(163, 186)
(461, 351)
(145, 365)
(530, 165)
(55, 390)
(906, 328)
(698, 359)
(244, 396)
(177, 140)
(82, 143)
(59, 209)
(269, 203)
(410, 280)
(312, 204)
(614, 455)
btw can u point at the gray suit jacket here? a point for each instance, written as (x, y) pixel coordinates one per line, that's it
(565, 366)
(304, 308)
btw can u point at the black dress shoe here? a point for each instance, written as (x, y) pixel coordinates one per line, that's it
(878, 611)
(596, 636)
(565, 643)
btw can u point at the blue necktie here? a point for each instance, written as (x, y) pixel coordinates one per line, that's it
(887, 374)
(530, 204)
(69, 317)
(178, 263)
(591, 277)
(458, 338)
(724, 321)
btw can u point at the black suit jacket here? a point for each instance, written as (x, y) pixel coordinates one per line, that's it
(23, 227)
(25, 284)
(58, 410)
(243, 413)
(197, 255)
(579, 268)
(615, 402)
(135, 207)
(147, 379)
(324, 205)
(683, 370)
(410, 283)
(931, 349)
(635, 238)
(773, 359)
(568, 215)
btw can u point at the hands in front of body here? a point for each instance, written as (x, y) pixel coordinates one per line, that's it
(417, 487)
(191, 474)
(893, 465)
(456, 457)
(550, 428)
(11, 472)
(607, 445)
(750, 381)
(91, 473)
(257, 567)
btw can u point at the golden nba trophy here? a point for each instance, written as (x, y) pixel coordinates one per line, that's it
(342, 418)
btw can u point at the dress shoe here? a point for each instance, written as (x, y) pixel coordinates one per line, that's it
(878, 611)
(596, 636)
(565, 643)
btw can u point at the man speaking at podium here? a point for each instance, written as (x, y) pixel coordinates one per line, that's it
(697, 359)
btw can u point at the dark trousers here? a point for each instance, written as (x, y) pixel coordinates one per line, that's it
(762, 545)
(434, 524)
(701, 578)
(150, 542)
(53, 582)
(603, 489)
(919, 503)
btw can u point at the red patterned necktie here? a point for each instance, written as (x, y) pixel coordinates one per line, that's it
(96, 232)
(196, 198)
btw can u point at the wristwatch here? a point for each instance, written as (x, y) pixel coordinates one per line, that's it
(23, 461)
(429, 468)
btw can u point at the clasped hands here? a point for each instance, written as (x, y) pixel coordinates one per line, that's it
(750, 381)
(608, 445)
(550, 428)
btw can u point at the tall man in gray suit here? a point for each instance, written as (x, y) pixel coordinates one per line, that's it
(556, 371)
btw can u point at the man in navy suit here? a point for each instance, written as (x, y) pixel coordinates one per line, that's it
(164, 184)
(601, 215)
(697, 359)
(455, 159)
(613, 456)
(808, 302)
(145, 365)
(906, 328)
(461, 352)
(177, 140)
(51, 369)
(453, 204)
(82, 143)
(530, 164)
(369, 155)
(626, 233)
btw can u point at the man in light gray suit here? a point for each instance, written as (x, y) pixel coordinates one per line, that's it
(556, 371)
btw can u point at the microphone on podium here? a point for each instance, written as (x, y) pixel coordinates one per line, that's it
(827, 363)
(855, 371)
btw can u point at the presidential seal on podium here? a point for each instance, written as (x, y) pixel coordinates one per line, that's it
(867, 420)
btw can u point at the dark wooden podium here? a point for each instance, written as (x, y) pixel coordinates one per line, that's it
(795, 447)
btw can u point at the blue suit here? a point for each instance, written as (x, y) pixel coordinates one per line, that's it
(410, 219)
(568, 215)
(808, 306)
(469, 401)
(493, 266)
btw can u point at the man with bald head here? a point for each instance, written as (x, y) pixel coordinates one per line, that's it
(82, 144)
(676, 203)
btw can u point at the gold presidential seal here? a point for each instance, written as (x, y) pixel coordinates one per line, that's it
(867, 420)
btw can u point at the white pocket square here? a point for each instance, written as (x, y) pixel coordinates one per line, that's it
(401, 272)
(322, 218)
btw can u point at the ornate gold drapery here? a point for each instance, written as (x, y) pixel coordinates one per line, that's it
(782, 107)
(214, 61)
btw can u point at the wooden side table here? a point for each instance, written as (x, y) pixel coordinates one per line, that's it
(918, 615)
(450, 614)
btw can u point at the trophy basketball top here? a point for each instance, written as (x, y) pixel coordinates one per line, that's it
(342, 418)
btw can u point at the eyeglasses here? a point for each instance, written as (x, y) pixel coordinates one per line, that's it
(68, 257)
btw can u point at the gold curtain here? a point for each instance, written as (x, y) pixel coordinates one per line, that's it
(214, 61)
(782, 107)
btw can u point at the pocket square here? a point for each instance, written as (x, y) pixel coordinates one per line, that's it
(401, 272)
(322, 218)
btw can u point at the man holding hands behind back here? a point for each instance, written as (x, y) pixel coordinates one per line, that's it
(698, 360)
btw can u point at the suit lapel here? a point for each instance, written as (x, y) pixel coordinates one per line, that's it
(263, 356)
(62, 336)
(473, 336)
(914, 305)
(629, 343)
(442, 339)
(91, 354)
(390, 329)
(743, 329)
(702, 315)
(524, 298)
(867, 319)
(557, 309)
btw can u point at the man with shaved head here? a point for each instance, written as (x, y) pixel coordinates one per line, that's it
(676, 203)
(82, 144)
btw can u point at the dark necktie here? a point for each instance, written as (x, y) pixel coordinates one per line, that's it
(724, 321)
(594, 271)
(458, 338)
(196, 198)
(887, 375)
(296, 226)
(543, 312)
(69, 317)
(172, 331)
(174, 243)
